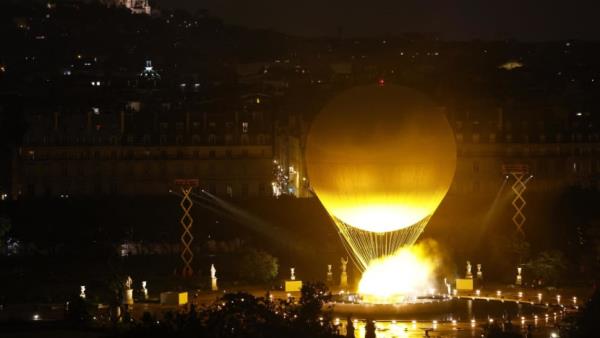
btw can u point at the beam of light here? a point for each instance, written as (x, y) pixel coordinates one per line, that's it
(227, 210)
(497, 201)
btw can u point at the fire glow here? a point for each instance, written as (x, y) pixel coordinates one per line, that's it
(401, 277)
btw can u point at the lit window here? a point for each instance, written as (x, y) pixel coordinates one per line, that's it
(244, 127)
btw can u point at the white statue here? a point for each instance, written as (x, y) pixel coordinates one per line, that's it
(329, 273)
(519, 280)
(213, 271)
(479, 272)
(292, 273)
(344, 261)
(344, 275)
(128, 283)
(144, 289)
(469, 273)
(448, 286)
(213, 278)
(82, 291)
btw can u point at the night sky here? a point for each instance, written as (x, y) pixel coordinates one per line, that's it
(458, 19)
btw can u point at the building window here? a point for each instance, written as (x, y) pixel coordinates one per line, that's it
(228, 153)
(195, 139)
(245, 139)
(212, 139)
(244, 127)
(212, 154)
(163, 139)
(229, 191)
(179, 139)
(179, 126)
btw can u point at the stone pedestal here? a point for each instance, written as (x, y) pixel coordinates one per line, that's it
(464, 284)
(344, 280)
(173, 298)
(293, 285)
(519, 279)
(128, 297)
(213, 284)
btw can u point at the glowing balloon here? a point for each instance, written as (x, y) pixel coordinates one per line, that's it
(380, 159)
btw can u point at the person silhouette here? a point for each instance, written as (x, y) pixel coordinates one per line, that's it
(349, 327)
(369, 329)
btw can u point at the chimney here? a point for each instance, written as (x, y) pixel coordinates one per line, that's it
(187, 122)
(89, 121)
(500, 122)
(55, 121)
(122, 122)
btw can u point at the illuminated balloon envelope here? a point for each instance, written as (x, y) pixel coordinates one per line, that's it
(380, 159)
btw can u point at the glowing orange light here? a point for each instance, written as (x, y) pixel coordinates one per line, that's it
(398, 278)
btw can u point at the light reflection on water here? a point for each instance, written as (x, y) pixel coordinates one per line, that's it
(388, 329)
(463, 318)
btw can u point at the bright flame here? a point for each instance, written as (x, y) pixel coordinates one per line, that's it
(400, 277)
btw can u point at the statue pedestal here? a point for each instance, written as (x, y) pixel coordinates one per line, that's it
(128, 297)
(344, 280)
(519, 280)
(329, 277)
(173, 298)
(293, 285)
(464, 284)
(213, 284)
